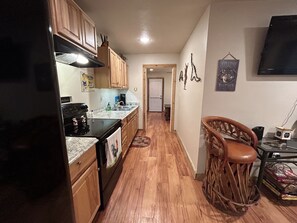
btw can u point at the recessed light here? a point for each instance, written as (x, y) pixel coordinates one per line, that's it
(151, 69)
(144, 39)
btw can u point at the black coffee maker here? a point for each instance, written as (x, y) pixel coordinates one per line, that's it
(123, 98)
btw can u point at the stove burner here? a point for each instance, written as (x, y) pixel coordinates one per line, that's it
(77, 130)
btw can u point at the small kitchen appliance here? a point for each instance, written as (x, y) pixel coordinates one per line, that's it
(123, 98)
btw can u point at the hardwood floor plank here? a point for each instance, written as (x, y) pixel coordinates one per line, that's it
(150, 189)
(156, 186)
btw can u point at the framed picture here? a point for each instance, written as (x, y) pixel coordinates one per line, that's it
(227, 75)
(87, 82)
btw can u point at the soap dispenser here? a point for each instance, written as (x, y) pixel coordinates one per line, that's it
(108, 107)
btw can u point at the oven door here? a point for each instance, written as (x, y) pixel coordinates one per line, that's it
(108, 177)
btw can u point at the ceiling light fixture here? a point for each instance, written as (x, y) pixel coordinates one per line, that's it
(151, 69)
(144, 39)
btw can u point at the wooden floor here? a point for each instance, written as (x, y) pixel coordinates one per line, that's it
(156, 186)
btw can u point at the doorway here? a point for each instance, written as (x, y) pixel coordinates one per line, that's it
(155, 94)
(171, 69)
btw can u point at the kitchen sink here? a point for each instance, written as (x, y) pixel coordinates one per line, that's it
(123, 108)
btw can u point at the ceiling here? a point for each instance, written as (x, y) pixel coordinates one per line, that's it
(161, 70)
(168, 23)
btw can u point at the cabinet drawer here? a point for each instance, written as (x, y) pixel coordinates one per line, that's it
(82, 163)
(131, 116)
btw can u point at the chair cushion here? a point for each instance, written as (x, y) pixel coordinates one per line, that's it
(240, 153)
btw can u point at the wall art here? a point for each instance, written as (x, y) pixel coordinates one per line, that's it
(186, 76)
(227, 73)
(87, 82)
(181, 76)
(194, 76)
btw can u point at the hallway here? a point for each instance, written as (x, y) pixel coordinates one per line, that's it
(156, 186)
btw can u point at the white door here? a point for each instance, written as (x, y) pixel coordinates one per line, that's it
(155, 94)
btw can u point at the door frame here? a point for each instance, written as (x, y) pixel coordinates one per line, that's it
(144, 93)
(148, 87)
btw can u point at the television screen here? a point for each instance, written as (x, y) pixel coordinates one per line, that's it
(279, 55)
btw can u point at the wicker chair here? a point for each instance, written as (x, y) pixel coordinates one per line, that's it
(231, 151)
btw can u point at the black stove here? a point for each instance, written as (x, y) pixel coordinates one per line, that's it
(98, 128)
(77, 124)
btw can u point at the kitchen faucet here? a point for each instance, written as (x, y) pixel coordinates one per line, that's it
(119, 103)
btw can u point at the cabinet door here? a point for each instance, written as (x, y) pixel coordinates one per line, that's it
(89, 34)
(135, 124)
(129, 132)
(86, 196)
(113, 69)
(68, 20)
(120, 72)
(125, 75)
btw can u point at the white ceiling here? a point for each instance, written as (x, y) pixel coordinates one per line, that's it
(160, 71)
(169, 23)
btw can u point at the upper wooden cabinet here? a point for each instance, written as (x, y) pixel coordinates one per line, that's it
(124, 72)
(89, 33)
(70, 22)
(114, 73)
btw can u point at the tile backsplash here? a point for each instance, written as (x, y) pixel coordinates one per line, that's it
(70, 85)
(102, 97)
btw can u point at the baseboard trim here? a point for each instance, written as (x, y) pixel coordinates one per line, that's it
(200, 176)
(193, 172)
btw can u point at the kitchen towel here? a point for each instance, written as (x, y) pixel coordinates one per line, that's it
(113, 147)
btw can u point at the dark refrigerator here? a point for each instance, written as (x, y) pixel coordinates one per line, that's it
(34, 178)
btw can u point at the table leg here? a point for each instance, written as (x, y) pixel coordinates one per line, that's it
(262, 166)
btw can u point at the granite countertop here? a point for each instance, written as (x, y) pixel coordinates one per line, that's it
(113, 114)
(76, 146)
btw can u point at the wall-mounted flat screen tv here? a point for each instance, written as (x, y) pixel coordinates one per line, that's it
(279, 55)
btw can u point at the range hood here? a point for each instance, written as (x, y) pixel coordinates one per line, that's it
(68, 53)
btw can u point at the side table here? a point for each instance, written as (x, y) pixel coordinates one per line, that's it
(167, 112)
(267, 147)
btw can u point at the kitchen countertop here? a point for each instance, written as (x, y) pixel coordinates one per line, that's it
(76, 146)
(113, 114)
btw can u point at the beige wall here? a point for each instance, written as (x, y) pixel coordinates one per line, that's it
(135, 66)
(189, 101)
(69, 85)
(240, 28)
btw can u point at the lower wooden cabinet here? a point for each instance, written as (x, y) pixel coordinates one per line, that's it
(129, 130)
(86, 196)
(85, 187)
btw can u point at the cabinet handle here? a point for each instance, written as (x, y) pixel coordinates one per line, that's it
(78, 162)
